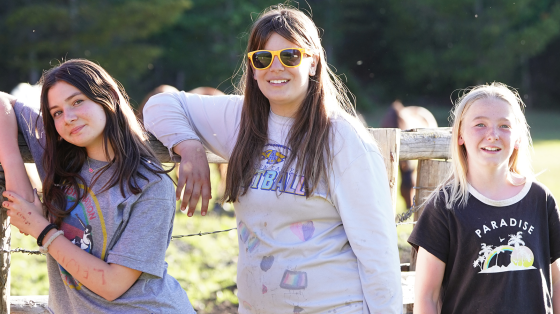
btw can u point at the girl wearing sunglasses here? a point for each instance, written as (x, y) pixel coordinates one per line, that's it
(309, 187)
(109, 205)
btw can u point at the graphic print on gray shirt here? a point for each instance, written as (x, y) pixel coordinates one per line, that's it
(132, 230)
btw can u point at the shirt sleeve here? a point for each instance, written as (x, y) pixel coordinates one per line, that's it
(180, 116)
(30, 125)
(553, 227)
(367, 216)
(432, 231)
(147, 231)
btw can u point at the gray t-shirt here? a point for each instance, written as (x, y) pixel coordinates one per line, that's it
(132, 231)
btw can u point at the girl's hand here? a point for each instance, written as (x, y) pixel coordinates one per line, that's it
(193, 176)
(26, 216)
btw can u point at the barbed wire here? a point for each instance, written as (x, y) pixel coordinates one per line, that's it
(201, 233)
(400, 220)
(30, 252)
(20, 250)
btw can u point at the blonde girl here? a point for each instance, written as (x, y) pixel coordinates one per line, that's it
(489, 237)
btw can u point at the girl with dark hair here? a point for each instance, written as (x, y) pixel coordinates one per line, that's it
(309, 186)
(104, 192)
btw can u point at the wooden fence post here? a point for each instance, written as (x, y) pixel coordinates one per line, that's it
(429, 176)
(5, 258)
(388, 141)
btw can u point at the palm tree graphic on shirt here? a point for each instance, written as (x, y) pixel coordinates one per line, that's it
(515, 239)
(522, 257)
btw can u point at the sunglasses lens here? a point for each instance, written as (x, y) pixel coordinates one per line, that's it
(290, 57)
(262, 59)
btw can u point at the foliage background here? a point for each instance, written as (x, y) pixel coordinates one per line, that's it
(421, 52)
(417, 51)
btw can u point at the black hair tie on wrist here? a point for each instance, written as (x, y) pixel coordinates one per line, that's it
(44, 233)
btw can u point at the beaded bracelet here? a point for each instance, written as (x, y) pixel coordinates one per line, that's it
(45, 249)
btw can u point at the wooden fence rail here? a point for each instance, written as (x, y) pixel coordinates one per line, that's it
(416, 144)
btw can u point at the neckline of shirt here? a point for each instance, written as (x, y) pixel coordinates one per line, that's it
(501, 203)
(95, 164)
(280, 119)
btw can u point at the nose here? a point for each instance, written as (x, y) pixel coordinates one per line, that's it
(276, 64)
(69, 116)
(493, 134)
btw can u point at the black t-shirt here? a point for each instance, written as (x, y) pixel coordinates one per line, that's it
(497, 253)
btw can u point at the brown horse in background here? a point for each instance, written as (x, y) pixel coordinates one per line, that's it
(405, 118)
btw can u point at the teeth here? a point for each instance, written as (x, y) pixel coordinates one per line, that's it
(491, 148)
(278, 81)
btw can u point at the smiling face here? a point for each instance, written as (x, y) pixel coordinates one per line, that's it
(487, 132)
(284, 87)
(77, 119)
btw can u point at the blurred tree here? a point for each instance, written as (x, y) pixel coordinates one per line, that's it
(206, 45)
(406, 49)
(445, 45)
(111, 32)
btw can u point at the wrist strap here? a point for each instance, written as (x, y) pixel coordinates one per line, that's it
(44, 233)
(45, 249)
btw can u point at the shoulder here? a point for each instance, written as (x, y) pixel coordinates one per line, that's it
(349, 134)
(539, 188)
(157, 186)
(541, 193)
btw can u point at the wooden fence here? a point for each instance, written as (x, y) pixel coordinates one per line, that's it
(417, 144)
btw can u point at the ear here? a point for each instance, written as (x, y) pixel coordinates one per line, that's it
(313, 68)
(461, 141)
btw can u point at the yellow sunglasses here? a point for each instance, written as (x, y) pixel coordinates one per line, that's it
(289, 57)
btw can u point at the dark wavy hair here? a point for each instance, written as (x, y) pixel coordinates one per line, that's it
(310, 134)
(63, 161)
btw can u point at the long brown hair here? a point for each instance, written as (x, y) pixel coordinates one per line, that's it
(63, 161)
(310, 133)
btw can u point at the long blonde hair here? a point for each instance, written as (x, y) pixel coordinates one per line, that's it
(455, 186)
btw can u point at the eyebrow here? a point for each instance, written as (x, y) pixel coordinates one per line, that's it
(67, 99)
(483, 117)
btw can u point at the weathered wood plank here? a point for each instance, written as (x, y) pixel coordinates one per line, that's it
(388, 143)
(425, 144)
(418, 144)
(407, 284)
(30, 304)
(5, 258)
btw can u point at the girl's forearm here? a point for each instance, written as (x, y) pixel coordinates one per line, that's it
(109, 281)
(425, 306)
(10, 157)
